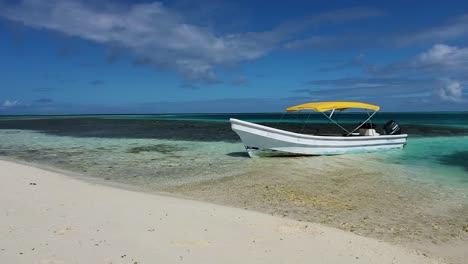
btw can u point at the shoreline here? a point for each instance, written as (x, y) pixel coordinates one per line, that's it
(49, 217)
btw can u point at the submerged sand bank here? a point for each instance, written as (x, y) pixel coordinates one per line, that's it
(47, 217)
(381, 200)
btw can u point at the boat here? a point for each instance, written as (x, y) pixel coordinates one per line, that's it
(260, 140)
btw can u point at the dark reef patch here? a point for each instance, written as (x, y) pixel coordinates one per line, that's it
(188, 130)
(126, 128)
(459, 158)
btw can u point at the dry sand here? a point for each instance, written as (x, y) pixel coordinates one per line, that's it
(47, 217)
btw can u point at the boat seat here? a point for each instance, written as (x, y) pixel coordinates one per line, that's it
(368, 132)
(368, 129)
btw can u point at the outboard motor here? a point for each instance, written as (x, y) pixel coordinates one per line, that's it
(392, 128)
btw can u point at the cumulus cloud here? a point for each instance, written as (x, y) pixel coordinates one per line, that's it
(161, 36)
(440, 61)
(9, 103)
(451, 92)
(151, 31)
(432, 75)
(437, 53)
(444, 56)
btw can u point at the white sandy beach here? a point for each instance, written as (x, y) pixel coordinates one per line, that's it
(47, 217)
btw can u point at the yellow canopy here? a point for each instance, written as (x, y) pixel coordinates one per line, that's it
(325, 106)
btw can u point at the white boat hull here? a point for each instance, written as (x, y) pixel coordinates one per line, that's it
(262, 140)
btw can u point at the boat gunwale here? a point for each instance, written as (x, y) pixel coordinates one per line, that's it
(288, 133)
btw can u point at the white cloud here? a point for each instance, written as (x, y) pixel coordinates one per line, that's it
(444, 55)
(10, 103)
(152, 32)
(437, 74)
(451, 92)
(441, 61)
(158, 35)
(437, 53)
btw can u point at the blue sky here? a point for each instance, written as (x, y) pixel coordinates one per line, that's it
(76, 56)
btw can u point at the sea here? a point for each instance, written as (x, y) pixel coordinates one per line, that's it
(418, 194)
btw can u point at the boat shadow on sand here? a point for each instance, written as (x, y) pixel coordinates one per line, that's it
(239, 154)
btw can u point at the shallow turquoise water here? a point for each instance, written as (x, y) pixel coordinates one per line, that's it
(442, 159)
(437, 159)
(140, 161)
(91, 143)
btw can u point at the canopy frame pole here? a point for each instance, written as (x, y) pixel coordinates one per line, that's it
(334, 122)
(369, 118)
(277, 123)
(303, 126)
